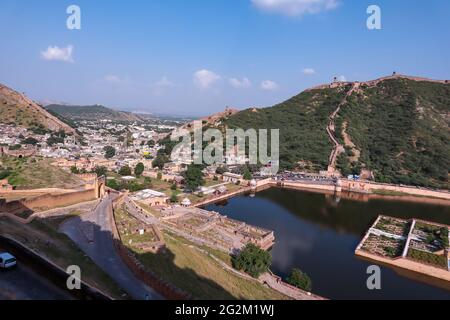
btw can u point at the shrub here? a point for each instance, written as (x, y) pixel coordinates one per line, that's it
(300, 280)
(174, 198)
(253, 260)
(428, 258)
(139, 169)
(125, 171)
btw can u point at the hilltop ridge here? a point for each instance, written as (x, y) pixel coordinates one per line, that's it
(395, 129)
(94, 112)
(376, 81)
(17, 108)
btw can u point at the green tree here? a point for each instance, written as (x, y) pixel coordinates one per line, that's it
(193, 177)
(30, 141)
(253, 260)
(174, 198)
(125, 171)
(221, 169)
(112, 183)
(74, 170)
(300, 280)
(139, 169)
(15, 147)
(4, 174)
(160, 161)
(100, 171)
(247, 175)
(159, 176)
(110, 152)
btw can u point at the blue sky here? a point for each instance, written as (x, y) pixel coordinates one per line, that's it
(194, 57)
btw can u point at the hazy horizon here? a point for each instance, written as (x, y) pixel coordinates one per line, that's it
(196, 58)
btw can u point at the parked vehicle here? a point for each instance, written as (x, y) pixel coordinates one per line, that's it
(7, 261)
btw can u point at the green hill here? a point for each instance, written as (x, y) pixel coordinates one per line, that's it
(396, 127)
(95, 112)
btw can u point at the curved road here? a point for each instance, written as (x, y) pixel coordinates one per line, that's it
(92, 233)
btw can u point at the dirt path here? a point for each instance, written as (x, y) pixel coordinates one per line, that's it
(331, 130)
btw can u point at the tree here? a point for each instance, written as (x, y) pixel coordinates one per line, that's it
(151, 143)
(112, 183)
(253, 260)
(139, 169)
(160, 161)
(30, 141)
(15, 147)
(247, 175)
(125, 171)
(100, 171)
(74, 170)
(4, 174)
(54, 140)
(174, 198)
(193, 177)
(174, 187)
(221, 170)
(110, 152)
(300, 280)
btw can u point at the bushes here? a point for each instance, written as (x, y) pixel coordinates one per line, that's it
(125, 171)
(300, 280)
(252, 260)
(110, 152)
(139, 169)
(4, 174)
(428, 258)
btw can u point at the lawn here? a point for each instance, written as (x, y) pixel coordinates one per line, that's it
(35, 173)
(199, 274)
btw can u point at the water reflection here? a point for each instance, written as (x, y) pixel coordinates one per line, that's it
(319, 233)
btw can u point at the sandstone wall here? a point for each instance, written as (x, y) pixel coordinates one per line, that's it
(47, 201)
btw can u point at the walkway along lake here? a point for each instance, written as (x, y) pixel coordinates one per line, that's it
(319, 234)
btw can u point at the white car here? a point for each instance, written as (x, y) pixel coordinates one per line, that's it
(7, 261)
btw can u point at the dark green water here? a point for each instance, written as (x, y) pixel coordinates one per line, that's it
(318, 234)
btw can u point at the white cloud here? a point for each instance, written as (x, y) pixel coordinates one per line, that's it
(111, 78)
(295, 7)
(243, 83)
(205, 78)
(164, 82)
(269, 85)
(58, 54)
(309, 71)
(342, 79)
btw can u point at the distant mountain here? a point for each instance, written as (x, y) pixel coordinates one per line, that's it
(396, 127)
(16, 108)
(95, 112)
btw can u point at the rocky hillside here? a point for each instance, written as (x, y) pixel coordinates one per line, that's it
(18, 109)
(396, 127)
(95, 112)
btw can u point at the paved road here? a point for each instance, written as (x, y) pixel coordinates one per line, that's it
(92, 233)
(22, 283)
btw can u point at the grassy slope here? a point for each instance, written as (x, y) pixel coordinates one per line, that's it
(302, 121)
(29, 174)
(402, 132)
(197, 273)
(23, 116)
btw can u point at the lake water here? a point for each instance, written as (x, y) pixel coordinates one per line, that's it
(319, 233)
